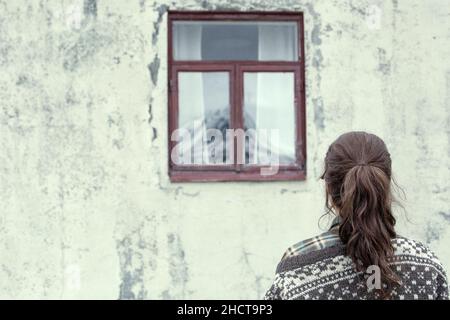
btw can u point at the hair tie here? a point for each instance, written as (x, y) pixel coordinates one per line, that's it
(362, 164)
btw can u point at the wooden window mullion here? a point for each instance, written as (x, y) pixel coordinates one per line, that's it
(239, 110)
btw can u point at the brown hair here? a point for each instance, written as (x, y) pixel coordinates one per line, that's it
(358, 186)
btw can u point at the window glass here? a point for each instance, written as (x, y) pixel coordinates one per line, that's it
(235, 40)
(269, 109)
(204, 112)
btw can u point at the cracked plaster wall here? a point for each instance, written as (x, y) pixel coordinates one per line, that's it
(87, 210)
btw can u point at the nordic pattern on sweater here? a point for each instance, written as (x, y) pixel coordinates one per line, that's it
(330, 274)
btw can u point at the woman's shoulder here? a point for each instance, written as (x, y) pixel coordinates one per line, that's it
(324, 240)
(403, 245)
(311, 250)
(321, 241)
(414, 250)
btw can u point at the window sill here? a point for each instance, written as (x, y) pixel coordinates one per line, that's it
(214, 176)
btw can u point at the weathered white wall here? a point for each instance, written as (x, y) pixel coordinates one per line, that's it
(87, 210)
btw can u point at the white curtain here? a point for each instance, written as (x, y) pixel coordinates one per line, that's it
(188, 46)
(277, 42)
(275, 94)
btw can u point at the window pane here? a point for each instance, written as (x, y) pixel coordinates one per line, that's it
(269, 110)
(235, 40)
(204, 111)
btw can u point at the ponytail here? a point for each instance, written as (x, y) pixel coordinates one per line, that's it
(358, 178)
(367, 222)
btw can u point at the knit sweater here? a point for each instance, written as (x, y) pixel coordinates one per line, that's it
(328, 274)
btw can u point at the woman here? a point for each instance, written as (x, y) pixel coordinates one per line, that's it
(361, 256)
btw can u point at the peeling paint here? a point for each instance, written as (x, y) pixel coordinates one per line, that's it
(284, 191)
(319, 113)
(142, 4)
(315, 32)
(161, 10)
(150, 111)
(84, 48)
(445, 215)
(179, 190)
(131, 286)
(153, 68)
(90, 8)
(155, 134)
(361, 11)
(433, 233)
(317, 60)
(116, 123)
(228, 6)
(132, 250)
(384, 65)
(178, 268)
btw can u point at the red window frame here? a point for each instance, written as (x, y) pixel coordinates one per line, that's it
(236, 69)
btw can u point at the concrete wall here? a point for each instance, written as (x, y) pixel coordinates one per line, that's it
(87, 210)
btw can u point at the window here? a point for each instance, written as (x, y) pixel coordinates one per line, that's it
(236, 96)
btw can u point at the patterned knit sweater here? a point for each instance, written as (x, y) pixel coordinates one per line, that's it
(329, 274)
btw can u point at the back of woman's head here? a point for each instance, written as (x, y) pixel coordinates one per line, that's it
(358, 186)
